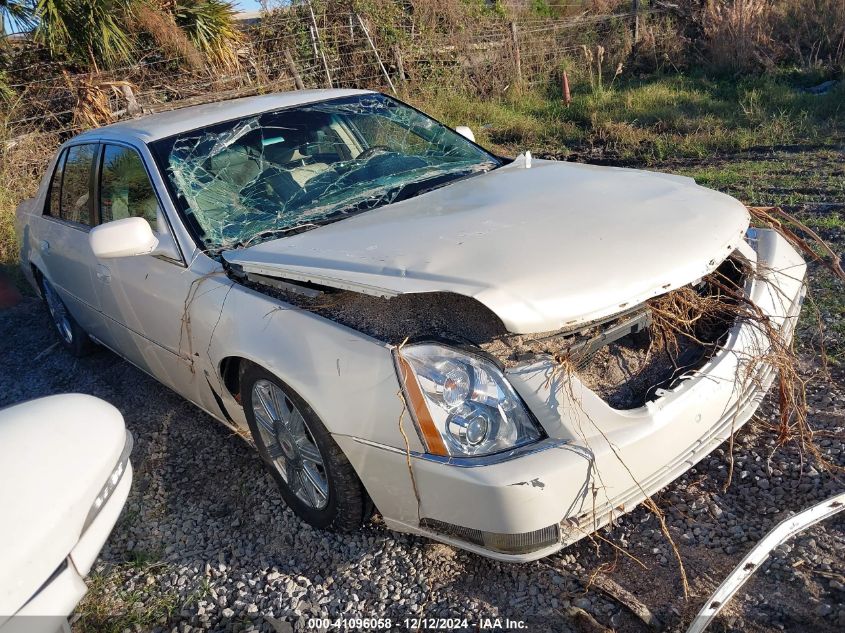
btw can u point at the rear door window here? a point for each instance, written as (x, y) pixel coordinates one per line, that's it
(55, 203)
(76, 185)
(125, 188)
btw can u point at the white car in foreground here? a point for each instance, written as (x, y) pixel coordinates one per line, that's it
(65, 473)
(386, 308)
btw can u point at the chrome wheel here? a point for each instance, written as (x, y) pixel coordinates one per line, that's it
(290, 444)
(58, 311)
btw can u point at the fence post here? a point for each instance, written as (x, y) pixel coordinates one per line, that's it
(517, 58)
(132, 107)
(375, 51)
(636, 9)
(314, 52)
(317, 43)
(400, 67)
(297, 80)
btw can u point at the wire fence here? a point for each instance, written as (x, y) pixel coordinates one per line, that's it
(305, 47)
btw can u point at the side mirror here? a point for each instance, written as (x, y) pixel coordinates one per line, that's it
(122, 238)
(464, 131)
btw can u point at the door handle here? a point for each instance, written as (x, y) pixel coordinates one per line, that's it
(44, 245)
(103, 274)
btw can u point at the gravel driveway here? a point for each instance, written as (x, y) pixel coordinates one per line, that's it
(205, 541)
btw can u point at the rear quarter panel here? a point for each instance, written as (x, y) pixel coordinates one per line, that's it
(28, 225)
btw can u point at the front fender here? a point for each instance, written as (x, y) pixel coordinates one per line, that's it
(347, 378)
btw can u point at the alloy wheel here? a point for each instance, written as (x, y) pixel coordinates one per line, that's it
(290, 444)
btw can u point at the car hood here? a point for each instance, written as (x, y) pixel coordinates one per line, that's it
(55, 455)
(544, 247)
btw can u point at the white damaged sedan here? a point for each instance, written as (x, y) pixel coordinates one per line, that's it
(399, 318)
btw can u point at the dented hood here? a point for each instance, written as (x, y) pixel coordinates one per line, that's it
(546, 247)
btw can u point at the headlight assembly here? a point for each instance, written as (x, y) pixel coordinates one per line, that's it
(463, 405)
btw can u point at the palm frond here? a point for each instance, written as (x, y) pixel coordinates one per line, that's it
(19, 14)
(210, 24)
(86, 31)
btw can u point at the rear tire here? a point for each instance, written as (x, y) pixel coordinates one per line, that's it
(314, 476)
(70, 334)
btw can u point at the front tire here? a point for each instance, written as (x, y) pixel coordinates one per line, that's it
(314, 476)
(71, 335)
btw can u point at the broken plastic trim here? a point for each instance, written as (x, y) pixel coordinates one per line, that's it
(784, 530)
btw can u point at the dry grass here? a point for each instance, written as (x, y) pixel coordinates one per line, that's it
(20, 173)
(749, 35)
(738, 33)
(813, 32)
(161, 27)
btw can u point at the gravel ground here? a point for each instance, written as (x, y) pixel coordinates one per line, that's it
(205, 542)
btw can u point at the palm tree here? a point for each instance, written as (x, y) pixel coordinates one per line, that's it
(95, 33)
(19, 14)
(86, 31)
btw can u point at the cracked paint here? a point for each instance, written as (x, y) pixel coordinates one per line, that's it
(534, 483)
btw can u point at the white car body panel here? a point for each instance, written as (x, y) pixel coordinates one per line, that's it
(157, 126)
(515, 239)
(56, 454)
(557, 485)
(553, 245)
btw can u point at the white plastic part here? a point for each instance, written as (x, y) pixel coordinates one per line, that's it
(784, 530)
(123, 238)
(527, 159)
(167, 247)
(464, 131)
(55, 455)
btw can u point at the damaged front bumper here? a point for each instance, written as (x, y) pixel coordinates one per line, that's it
(598, 462)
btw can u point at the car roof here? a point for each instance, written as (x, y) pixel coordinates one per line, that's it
(163, 124)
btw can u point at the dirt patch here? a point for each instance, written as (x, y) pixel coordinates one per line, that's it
(445, 316)
(627, 373)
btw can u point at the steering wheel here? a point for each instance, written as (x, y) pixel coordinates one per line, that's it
(372, 151)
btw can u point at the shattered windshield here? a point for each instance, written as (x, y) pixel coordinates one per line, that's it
(245, 181)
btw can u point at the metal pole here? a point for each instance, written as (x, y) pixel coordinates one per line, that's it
(320, 45)
(636, 9)
(313, 37)
(517, 57)
(378, 58)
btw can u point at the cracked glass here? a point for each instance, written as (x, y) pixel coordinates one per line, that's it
(242, 182)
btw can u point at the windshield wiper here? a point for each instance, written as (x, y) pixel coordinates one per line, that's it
(419, 187)
(388, 196)
(263, 236)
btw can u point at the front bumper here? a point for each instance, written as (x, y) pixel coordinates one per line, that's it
(598, 462)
